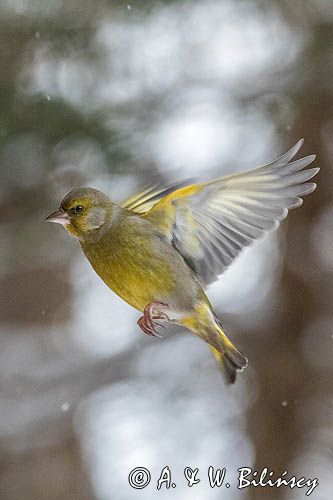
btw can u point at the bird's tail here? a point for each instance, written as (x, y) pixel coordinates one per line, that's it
(229, 359)
(206, 325)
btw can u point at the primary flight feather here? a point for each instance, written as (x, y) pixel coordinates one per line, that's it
(162, 247)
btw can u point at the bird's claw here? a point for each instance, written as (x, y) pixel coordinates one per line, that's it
(148, 322)
(147, 329)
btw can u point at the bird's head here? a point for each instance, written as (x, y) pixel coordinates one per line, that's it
(82, 211)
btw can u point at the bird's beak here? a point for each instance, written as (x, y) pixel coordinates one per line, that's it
(59, 217)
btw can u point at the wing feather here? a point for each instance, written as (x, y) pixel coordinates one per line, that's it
(145, 200)
(210, 223)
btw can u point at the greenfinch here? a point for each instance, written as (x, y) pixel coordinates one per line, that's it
(161, 248)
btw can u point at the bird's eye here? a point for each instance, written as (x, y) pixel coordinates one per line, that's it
(77, 210)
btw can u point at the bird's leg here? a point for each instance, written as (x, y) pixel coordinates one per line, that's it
(152, 312)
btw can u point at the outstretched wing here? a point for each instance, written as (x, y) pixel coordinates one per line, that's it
(210, 223)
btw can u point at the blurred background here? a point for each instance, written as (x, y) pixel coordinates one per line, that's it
(118, 95)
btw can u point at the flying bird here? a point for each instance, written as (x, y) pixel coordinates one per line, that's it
(161, 248)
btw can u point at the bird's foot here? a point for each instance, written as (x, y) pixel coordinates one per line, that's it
(152, 312)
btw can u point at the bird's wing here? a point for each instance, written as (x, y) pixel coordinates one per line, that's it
(144, 201)
(210, 223)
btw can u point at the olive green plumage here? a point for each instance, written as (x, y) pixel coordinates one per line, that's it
(161, 248)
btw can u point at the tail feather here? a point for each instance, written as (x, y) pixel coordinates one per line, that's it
(207, 326)
(229, 364)
(229, 359)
